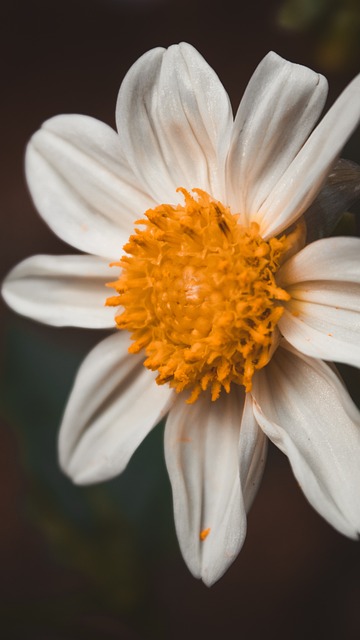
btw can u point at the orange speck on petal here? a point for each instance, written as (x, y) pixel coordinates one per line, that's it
(204, 534)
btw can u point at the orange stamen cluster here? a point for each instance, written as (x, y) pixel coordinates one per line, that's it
(198, 293)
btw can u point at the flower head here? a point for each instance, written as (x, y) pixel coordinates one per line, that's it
(199, 295)
(223, 287)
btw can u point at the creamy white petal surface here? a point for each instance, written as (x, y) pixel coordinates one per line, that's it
(322, 318)
(280, 97)
(303, 179)
(61, 290)
(327, 259)
(201, 450)
(174, 120)
(252, 453)
(323, 331)
(305, 410)
(81, 185)
(114, 404)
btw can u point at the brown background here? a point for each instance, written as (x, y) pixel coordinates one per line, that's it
(113, 569)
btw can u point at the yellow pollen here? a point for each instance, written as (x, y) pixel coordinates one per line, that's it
(197, 292)
(204, 534)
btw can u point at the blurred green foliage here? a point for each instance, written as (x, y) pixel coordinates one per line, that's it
(111, 537)
(335, 25)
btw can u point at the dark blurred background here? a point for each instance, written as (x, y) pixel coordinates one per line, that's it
(103, 562)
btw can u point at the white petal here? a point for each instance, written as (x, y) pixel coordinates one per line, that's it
(339, 193)
(81, 185)
(322, 318)
(328, 331)
(301, 182)
(280, 107)
(326, 259)
(114, 404)
(201, 450)
(305, 410)
(61, 290)
(252, 453)
(174, 119)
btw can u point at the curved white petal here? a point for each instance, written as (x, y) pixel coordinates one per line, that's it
(322, 318)
(114, 404)
(299, 185)
(328, 330)
(252, 453)
(201, 450)
(61, 290)
(326, 259)
(280, 107)
(174, 119)
(305, 410)
(339, 193)
(82, 186)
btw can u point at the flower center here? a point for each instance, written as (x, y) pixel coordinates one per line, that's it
(198, 293)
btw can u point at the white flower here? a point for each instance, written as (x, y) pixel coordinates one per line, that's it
(184, 294)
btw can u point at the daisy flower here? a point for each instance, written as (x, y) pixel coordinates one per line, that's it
(224, 294)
